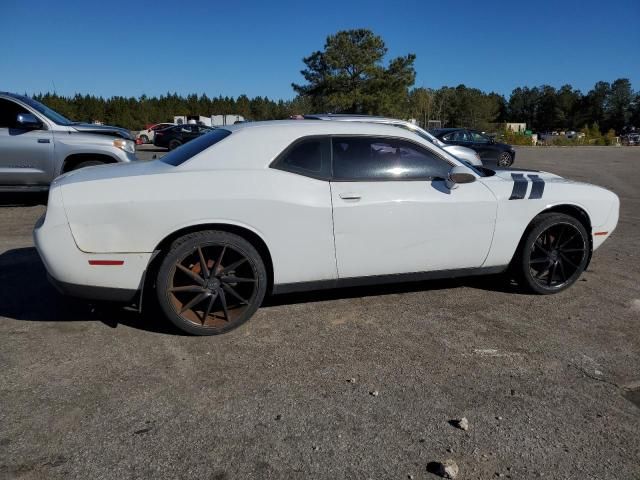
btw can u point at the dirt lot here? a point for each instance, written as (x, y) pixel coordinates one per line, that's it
(547, 383)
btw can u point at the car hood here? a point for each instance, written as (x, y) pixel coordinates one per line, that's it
(103, 130)
(507, 174)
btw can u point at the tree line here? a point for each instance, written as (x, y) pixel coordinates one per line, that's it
(350, 76)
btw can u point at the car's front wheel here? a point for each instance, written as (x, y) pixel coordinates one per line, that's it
(211, 282)
(173, 144)
(505, 159)
(553, 253)
(88, 163)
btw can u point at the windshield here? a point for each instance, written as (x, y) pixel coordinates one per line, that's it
(421, 133)
(188, 150)
(47, 112)
(481, 171)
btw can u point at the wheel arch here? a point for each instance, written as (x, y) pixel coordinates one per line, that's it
(251, 236)
(572, 210)
(73, 160)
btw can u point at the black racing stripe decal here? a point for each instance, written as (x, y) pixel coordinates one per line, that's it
(519, 186)
(537, 187)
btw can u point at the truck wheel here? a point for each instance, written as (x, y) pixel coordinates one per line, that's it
(88, 163)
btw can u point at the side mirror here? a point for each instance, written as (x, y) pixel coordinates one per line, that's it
(458, 175)
(28, 121)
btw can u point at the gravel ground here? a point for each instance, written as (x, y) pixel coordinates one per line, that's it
(550, 385)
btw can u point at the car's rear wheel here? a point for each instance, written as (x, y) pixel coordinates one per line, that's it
(211, 282)
(553, 253)
(505, 159)
(144, 139)
(173, 144)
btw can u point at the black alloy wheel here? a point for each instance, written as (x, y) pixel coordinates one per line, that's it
(211, 282)
(554, 253)
(505, 160)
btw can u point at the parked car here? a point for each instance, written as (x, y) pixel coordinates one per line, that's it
(630, 136)
(146, 135)
(37, 144)
(490, 151)
(460, 152)
(174, 136)
(275, 207)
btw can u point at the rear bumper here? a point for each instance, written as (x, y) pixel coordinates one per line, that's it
(100, 276)
(92, 292)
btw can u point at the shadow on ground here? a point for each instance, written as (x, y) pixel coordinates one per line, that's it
(23, 199)
(27, 295)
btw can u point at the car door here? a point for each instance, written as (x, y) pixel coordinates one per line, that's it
(394, 214)
(26, 155)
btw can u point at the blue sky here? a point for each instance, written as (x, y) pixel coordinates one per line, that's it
(256, 47)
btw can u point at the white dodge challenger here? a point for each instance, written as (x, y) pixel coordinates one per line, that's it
(274, 207)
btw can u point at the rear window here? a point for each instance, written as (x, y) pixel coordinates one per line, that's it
(185, 152)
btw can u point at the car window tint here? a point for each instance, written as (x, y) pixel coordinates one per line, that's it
(191, 149)
(479, 138)
(458, 136)
(307, 155)
(9, 112)
(375, 158)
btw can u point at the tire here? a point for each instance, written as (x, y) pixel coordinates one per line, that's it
(173, 144)
(88, 163)
(552, 254)
(226, 296)
(505, 159)
(144, 139)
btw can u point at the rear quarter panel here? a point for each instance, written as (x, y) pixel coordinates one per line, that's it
(291, 213)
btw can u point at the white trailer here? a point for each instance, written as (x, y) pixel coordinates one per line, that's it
(220, 120)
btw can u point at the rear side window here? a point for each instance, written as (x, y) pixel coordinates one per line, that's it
(380, 158)
(309, 157)
(185, 152)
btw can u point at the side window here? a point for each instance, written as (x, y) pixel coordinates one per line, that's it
(460, 136)
(309, 157)
(8, 112)
(479, 138)
(379, 158)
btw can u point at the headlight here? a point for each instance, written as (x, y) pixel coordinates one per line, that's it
(126, 145)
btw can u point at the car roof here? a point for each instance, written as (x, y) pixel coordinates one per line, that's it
(15, 96)
(448, 129)
(267, 139)
(322, 127)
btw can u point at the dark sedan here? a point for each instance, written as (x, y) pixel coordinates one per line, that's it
(175, 136)
(490, 151)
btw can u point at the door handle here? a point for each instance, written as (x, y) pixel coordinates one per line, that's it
(350, 196)
(44, 140)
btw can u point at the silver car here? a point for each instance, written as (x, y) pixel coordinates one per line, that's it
(460, 152)
(37, 144)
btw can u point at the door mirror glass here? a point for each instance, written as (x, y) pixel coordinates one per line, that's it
(459, 175)
(28, 121)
